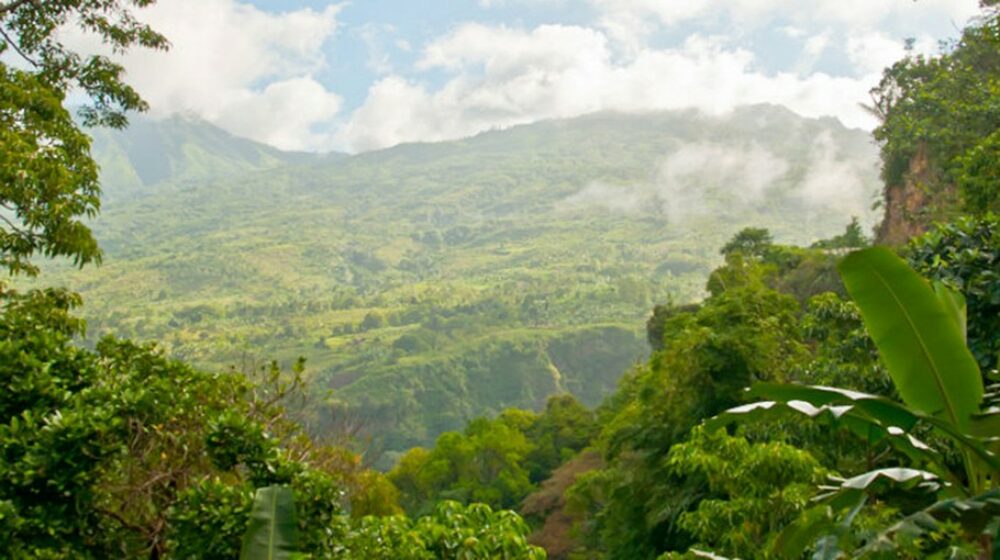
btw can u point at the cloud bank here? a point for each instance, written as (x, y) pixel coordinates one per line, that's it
(236, 66)
(502, 77)
(265, 74)
(740, 174)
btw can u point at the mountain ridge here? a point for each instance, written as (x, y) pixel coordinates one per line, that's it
(427, 284)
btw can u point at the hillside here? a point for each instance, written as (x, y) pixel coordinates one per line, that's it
(150, 153)
(430, 283)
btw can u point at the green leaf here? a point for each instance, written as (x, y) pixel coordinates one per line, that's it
(986, 425)
(271, 534)
(847, 492)
(794, 539)
(954, 302)
(850, 416)
(917, 335)
(976, 515)
(885, 412)
(895, 475)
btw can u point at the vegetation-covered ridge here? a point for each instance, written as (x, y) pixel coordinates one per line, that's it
(831, 401)
(429, 284)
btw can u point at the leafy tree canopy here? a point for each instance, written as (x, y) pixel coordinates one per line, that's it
(751, 242)
(48, 180)
(945, 108)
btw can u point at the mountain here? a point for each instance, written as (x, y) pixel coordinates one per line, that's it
(178, 149)
(427, 284)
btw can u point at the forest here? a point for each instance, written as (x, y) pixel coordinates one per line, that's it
(413, 354)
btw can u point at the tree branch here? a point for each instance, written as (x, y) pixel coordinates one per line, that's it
(17, 49)
(16, 230)
(15, 4)
(11, 6)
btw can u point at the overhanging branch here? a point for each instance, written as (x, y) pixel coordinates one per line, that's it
(11, 6)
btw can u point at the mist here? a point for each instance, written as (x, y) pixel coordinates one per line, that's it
(685, 182)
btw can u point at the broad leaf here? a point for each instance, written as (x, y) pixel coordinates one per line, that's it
(271, 534)
(849, 416)
(895, 475)
(976, 515)
(708, 555)
(885, 412)
(917, 335)
(847, 492)
(813, 524)
(954, 302)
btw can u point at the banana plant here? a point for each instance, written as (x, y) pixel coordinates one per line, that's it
(919, 330)
(272, 532)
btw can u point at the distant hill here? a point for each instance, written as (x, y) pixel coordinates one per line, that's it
(151, 152)
(430, 283)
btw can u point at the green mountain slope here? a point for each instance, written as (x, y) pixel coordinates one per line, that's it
(179, 150)
(430, 283)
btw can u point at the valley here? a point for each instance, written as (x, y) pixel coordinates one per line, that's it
(429, 284)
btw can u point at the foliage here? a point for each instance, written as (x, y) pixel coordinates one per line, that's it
(919, 332)
(48, 180)
(979, 174)
(496, 462)
(208, 519)
(488, 276)
(945, 108)
(795, 271)
(920, 337)
(752, 490)
(632, 509)
(750, 242)
(965, 254)
(852, 238)
(272, 531)
(844, 355)
(451, 532)
(121, 452)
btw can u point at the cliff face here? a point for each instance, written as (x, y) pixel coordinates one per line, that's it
(904, 204)
(912, 207)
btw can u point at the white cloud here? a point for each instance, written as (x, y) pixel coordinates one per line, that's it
(639, 14)
(253, 72)
(503, 77)
(618, 199)
(692, 179)
(232, 64)
(284, 114)
(872, 51)
(374, 37)
(630, 22)
(686, 176)
(835, 184)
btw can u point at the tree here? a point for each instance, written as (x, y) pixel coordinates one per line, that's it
(373, 320)
(48, 180)
(852, 238)
(944, 108)
(965, 255)
(754, 489)
(121, 452)
(919, 330)
(709, 354)
(751, 242)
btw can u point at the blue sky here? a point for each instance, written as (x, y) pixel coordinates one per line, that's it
(367, 74)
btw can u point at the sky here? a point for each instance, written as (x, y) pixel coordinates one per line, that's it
(362, 75)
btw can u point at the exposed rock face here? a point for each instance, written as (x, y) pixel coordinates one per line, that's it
(548, 503)
(912, 207)
(905, 205)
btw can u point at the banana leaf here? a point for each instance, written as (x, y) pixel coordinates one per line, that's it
(917, 333)
(882, 415)
(847, 416)
(272, 532)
